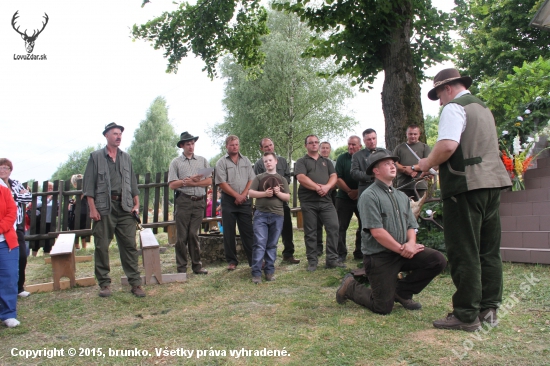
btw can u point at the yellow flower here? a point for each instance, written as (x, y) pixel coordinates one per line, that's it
(517, 124)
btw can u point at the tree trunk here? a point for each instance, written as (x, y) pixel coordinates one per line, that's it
(401, 91)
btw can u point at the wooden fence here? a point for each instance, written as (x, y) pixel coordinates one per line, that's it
(62, 192)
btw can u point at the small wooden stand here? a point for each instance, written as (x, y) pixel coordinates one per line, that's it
(151, 255)
(63, 260)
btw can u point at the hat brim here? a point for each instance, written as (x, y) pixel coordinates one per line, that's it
(371, 166)
(466, 80)
(111, 127)
(192, 139)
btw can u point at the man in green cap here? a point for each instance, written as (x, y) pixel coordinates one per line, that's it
(111, 189)
(389, 246)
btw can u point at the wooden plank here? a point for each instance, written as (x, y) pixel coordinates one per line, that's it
(65, 284)
(172, 235)
(165, 199)
(148, 239)
(78, 259)
(146, 199)
(63, 245)
(166, 278)
(156, 202)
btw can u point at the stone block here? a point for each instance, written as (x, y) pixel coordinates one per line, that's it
(212, 249)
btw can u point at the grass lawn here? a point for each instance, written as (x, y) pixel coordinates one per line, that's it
(297, 314)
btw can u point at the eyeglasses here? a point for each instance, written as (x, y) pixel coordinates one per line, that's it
(5, 168)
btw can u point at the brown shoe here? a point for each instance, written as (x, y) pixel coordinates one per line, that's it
(270, 277)
(341, 296)
(408, 304)
(201, 271)
(138, 291)
(105, 291)
(489, 316)
(231, 267)
(257, 280)
(453, 323)
(291, 260)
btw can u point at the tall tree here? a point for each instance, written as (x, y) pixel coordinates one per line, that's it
(75, 164)
(495, 37)
(288, 101)
(399, 37)
(154, 144)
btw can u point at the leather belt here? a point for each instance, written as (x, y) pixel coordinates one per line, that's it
(192, 198)
(116, 198)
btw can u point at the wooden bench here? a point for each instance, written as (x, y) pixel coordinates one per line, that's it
(151, 255)
(63, 260)
(150, 250)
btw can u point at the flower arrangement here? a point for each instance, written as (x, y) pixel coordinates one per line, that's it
(517, 163)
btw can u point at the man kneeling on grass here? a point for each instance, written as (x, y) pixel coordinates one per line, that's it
(388, 243)
(270, 190)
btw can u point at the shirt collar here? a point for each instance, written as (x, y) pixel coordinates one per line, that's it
(462, 93)
(384, 186)
(118, 151)
(186, 158)
(240, 155)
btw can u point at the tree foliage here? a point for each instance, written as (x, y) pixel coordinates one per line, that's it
(509, 98)
(208, 29)
(496, 37)
(358, 34)
(154, 144)
(288, 101)
(399, 37)
(75, 164)
(431, 125)
(334, 154)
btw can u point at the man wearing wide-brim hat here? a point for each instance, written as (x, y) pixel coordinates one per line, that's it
(110, 186)
(471, 177)
(189, 186)
(388, 243)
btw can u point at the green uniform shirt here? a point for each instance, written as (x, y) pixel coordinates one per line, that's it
(269, 204)
(318, 171)
(343, 170)
(384, 207)
(406, 158)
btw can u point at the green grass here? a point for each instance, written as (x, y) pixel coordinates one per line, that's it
(297, 313)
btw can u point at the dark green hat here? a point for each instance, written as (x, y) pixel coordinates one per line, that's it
(112, 125)
(186, 136)
(375, 157)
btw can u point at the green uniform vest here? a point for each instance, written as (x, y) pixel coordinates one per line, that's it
(476, 162)
(102, 197)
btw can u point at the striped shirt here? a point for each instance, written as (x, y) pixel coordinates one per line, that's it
(21, 199)
(182, 167)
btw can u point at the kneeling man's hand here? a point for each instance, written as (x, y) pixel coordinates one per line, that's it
(409, 249)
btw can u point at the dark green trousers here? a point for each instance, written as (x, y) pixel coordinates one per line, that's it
(189, 216)
(122, 225)
(472, 238)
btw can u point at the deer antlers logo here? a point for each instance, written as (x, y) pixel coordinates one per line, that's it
(29, 40)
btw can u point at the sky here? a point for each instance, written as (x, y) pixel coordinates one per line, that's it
(94, 73)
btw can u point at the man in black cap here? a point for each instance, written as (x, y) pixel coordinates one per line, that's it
(189, 185)
(471, 176)
(111, 189)
(388, 242)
